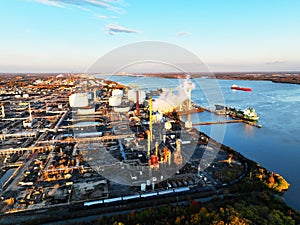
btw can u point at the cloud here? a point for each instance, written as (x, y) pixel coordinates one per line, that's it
(90, 5)
(113, 28)
(112, 5)
(51, 3)
(275, 62)
(184, 34)
(102, 17)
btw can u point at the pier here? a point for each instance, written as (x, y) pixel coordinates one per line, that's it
(217, 122)
(224, 113)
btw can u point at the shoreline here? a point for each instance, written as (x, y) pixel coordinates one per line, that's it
(276, 77)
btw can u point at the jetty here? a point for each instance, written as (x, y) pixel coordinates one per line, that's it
(223, 112)
(217, 122)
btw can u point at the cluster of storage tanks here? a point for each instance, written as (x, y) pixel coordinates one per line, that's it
(81, 101)
(132, 95)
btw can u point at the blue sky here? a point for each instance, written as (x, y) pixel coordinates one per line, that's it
(69, 35)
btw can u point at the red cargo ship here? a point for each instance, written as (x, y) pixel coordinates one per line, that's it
(235, 87)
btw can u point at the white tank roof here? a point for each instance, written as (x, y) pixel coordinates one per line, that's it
(117, 92)
(79, 100)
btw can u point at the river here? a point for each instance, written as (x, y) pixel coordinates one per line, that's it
(276, 146)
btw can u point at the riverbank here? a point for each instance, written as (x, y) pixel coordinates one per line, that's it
(255, 208)
(276, 77)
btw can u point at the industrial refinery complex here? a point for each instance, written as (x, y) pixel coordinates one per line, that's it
(76, 141)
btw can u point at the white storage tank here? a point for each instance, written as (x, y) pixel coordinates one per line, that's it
(115, 101)
(132, 96)
(117, 92)
(79, 100)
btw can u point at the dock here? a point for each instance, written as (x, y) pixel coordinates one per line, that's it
(217, 122)
(223, 113)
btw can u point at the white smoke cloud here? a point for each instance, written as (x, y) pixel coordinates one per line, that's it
(168, 100)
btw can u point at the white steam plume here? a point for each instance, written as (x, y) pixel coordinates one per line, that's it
(168, 101)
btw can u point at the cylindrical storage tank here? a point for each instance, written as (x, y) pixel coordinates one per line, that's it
(79, 100)
(117, 92)
(132, 95)
(115, 101)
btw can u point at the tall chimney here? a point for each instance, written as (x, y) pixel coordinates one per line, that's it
(150, 118)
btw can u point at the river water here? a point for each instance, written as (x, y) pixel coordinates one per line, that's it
(276, 146)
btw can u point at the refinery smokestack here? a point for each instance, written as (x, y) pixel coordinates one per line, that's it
(137, 104)
(150, 117)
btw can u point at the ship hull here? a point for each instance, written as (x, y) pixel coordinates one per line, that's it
(244, 118)
(247, 114)
(241, 88)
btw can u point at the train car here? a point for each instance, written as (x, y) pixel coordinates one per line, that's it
(164, 192)
(125, 198)
(145, 195)
(98, 202)
(181, 189)
(110, 200)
